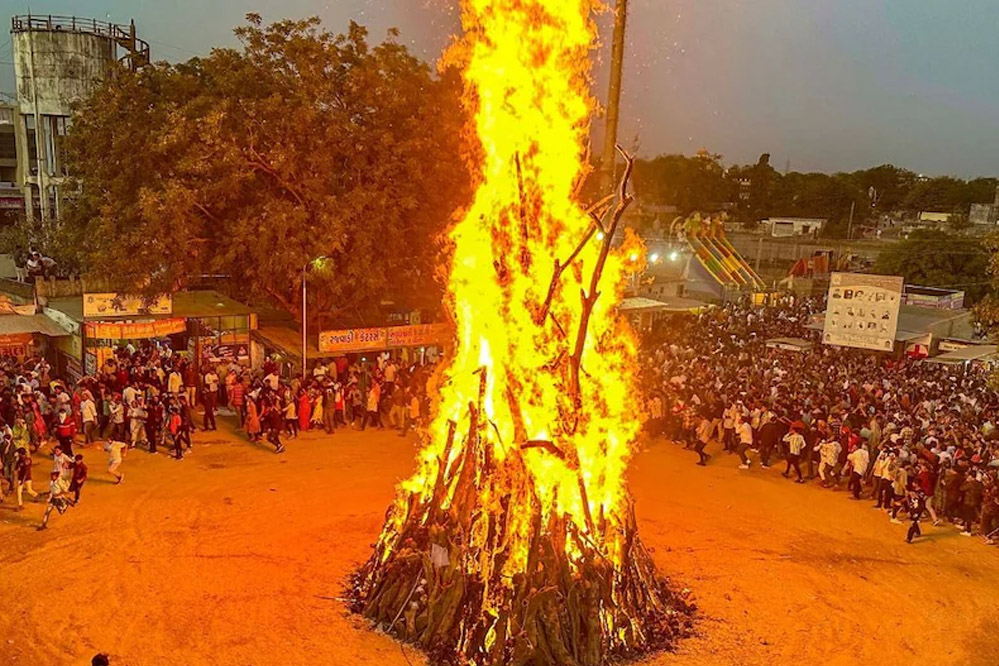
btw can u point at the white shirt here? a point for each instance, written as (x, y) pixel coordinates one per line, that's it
(212, 381)
(114, 450)
(88, 410)
(860, 460)
(745, 433)
(61, 463)
(128, 395)
(795, 442)
(273, 381)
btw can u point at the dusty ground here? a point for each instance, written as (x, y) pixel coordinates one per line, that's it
(235, 556)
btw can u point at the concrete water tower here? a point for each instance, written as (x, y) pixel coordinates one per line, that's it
(58, 60)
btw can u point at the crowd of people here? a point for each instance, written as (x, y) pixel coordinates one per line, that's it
(913, 437)
(144, 398)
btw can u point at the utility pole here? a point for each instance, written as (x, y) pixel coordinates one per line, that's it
(305, 321)
(849, 228)
(614, 97)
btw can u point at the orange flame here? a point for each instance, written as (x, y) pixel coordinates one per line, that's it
(527, 70)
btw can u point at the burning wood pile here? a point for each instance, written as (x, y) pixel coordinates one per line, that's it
(515, 542)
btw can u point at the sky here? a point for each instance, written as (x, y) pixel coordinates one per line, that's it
(822, 85)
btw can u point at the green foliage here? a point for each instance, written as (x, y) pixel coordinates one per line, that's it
(689, 183)
(933, 258)
(253, 162)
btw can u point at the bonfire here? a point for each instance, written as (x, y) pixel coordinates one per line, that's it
(515, 542)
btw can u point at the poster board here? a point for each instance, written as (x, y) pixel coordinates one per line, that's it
(862, 311)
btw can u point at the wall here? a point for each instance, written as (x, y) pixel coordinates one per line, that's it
(53, 69)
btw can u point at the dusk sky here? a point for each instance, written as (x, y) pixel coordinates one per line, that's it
(828, 85)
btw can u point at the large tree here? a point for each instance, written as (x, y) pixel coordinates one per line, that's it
(933, 258)
(255, 162)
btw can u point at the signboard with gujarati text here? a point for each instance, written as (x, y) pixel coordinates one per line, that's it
(377, 339)
(100, 330)
(112, 304)
(862, 311)
(352, 340)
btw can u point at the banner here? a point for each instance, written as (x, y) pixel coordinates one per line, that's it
(141, 331)
(862, 311)
(103, 305)
(421, 335)
(352, 340)
(377, 339)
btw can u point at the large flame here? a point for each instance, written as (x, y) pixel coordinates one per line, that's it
(527, 70)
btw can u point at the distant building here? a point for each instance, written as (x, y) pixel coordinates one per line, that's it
(783, 227)
(930, 218)
(57, 61)
(985, 213)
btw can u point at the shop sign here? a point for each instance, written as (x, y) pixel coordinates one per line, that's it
(140, 331)
(420, 335)
(352, 340)
(112, 304)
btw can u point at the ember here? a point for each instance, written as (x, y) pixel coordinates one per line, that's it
(515, 542)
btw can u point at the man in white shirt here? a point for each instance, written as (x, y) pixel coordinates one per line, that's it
(175, 382)
(62, 464)
(795, 445)
(744, 431)
(828, 457)
(88, 412)
(209, 398)
(116, 453)
(859, 459)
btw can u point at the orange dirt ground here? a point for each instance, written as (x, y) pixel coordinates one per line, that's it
(236, 556)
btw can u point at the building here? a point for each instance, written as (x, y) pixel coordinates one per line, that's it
(985, 213)
(930, 218)
(783, 227)
(57, 61)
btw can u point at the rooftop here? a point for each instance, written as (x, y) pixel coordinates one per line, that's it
(14, 324)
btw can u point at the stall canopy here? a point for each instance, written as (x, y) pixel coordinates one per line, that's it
(15, 324)
(790, 344)
(974, 353)
(289, 341)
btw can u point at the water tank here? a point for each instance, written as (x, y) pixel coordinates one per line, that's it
(59, 59)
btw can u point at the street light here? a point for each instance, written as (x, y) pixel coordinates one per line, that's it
(305, 301)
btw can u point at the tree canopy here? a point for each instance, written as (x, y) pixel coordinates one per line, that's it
(933, 258)
(702, 183)
(300, 148)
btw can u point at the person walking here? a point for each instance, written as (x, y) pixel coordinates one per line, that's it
(78, 478)
(916, 506)
(252, 424)
(175, 430)
(22, 477)
(274, 419)
(209, 399)
(65, 430)
(137, 416)
(88, 413)
(237, 400)
(795, 442)
(704, 430)
(744, 432)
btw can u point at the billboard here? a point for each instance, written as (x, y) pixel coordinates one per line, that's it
(862, 311)
(117, 305)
